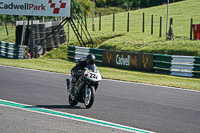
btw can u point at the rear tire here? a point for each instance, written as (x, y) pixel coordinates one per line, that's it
(72, 101)
(89, 99)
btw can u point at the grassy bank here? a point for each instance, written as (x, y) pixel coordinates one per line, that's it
(64, 66)
(137, 41)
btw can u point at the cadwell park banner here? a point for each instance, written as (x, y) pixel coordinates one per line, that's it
(135, 61)
(36, 7)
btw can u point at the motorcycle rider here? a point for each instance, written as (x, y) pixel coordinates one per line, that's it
(76, 70)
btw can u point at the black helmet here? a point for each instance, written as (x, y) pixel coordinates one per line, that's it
(90, 59)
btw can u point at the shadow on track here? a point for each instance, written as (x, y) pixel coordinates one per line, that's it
(55, 107)
(59, 107)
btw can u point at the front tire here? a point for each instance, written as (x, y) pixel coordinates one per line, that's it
(89, 98)
(72, 101)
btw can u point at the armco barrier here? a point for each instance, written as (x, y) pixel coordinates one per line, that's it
(162, 63)
(196, 67)
(13, 51)
(75, 53)
(182, 66)
(186, 66)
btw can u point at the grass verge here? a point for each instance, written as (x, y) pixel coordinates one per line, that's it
(64, 66)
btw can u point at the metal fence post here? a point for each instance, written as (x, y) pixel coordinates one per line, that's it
(113, 21)
(128, 23)
(191, 29)
(99, 21)
(151, 24)
(160, 27)
(143, 23)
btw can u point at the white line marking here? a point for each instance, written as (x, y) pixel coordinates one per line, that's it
(71, 116)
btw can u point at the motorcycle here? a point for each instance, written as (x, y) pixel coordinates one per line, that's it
(85, 86)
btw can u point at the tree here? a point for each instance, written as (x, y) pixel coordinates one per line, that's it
(135, 3)
(100, 3)
(129, 4)
(87, 5)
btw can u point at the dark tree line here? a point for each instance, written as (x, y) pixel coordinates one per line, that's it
(131, 4)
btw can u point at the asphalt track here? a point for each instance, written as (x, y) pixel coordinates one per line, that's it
(143, 106)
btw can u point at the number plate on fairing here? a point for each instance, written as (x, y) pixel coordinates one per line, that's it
(93, 76)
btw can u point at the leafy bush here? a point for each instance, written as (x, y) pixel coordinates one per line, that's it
(109, 10)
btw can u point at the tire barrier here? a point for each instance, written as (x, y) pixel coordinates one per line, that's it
(42, 34)
(19, 30)
(32, 41)
(185, 66)
(49, 40)
(18, 34)
(54, 40)
(13, 51)
(62, 34)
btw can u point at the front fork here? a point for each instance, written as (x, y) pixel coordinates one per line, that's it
(86, 88)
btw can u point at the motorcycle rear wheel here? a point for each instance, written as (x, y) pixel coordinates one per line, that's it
(89, 99)
(72, 101)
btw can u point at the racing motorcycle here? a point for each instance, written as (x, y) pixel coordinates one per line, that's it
(85, 86)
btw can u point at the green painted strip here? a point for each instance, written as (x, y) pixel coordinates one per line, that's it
(95, 121)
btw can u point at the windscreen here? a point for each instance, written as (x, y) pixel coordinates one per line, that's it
(92, 68)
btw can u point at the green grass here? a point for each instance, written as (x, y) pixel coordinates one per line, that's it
(64, 66)
(137, 41)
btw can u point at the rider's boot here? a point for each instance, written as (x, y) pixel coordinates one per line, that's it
(72, 86)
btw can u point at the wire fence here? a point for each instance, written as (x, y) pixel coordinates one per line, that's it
(135, 23)
(122, 22)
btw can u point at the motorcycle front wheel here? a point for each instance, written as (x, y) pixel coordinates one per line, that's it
(89, 98)
(72, 101)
